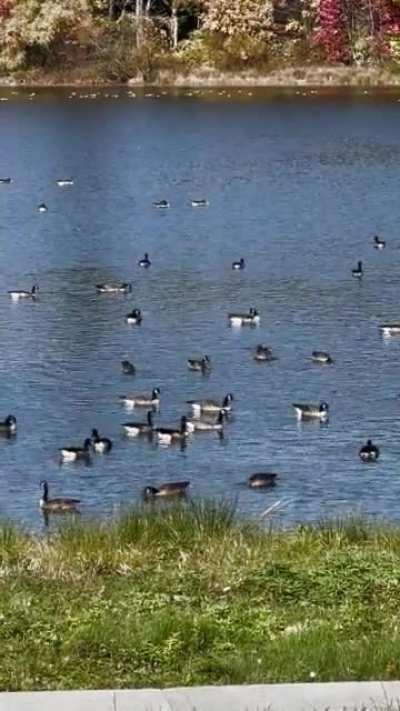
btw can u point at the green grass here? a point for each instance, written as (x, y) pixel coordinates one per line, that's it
(190, 594)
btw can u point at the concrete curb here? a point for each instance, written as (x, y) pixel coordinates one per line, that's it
(349, 696)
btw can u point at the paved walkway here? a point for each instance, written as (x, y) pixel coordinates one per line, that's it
(365, 696)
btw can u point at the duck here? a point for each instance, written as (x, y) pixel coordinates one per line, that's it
(9, 425)
(369, 452)
(196, 425)
(321, 357)
(142, 400)
(64, 182)
(42, 207)
(390, 329)
(238, 265)
(145, 262)
(128, 368)
(200, 203)
(379, 243)
(262, 480)
(56, 505)
(101, 445)
(312, 412)
(134, 317)
(252, 318)
(210, 406)
(133, 429)
(122, 288)
(16, 294)
(5, 181)
(169, 435)
(199, 364)
(172, 489)
(358, 272)
(263, 353)
(161, 204)
(72, 454)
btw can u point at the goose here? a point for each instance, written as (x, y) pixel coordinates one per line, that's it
(238, 265)
(161, 204)
(390, 329)
(199, 406)
(134, 317)
(169, 435)
(9, 425)
(101, 445)
(133, 429)
(128, 368)
(262, 480)
(21, 294)
(200, 203)
(379, 243)
(71, 454)
(195, 425)
(263, 353)
(312, 412)
(174, 488)
(369, 452)
(358, 272)
(145, 400)
(145, 262)
(56, 505)
(321, 357)
(64, 182)
(202, 364)
(252, 318)
(122, 288)
(5, 181)
(42, 207)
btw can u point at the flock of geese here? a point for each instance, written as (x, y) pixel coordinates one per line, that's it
(205, 415)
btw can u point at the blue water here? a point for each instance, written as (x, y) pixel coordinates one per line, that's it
(298, 185)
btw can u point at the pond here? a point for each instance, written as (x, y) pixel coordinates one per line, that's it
(298, 183)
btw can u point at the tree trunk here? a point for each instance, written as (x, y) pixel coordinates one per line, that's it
(174, 28)
(139, 23)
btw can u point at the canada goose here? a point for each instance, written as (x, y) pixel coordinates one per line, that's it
(65, 182)
(145, 262)
(199, 406)
(358, 272)
(312, 412)
(161, 204)
(42, 207)
(321, 357)
(133, 429)
(169, 435)
(202, 364)
(21, 294)
(71, 454)
(128, 368)
(238, 265)
(200, 203)
(207, 425)
(145, 400)
(123, 288)
(134, 317)
(262, 480)
(5, 181)
(9, 425)
(369, 452)
(252, 318)
(263, 353)
(390, 329)
(101, 445)
(175, 488)
(379, 243)
(56, 505)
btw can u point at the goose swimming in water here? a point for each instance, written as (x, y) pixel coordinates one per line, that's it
(161, 204)
(312, 412)
(21, 294)
(390, 329)
(134, 317)
(145, 262)
(263, 353)
(202, 364)
(200, 203)
(101, 445)
(56, 505)
(369, 452)
(128, 368)
(262, 480)
(123, 288)
(142, 400)
(42, 207)
(169, 435)
(65, 182)
(133, 429)
(172, 489)
(379, 243)
(252, 318)
(9, 425)
(72, 454)
(196, 425)
(358, 272)
(238, 265)
(5, 181)
(321, 357)
(211, 406)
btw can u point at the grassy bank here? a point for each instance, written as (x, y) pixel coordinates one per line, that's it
(190, 595)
